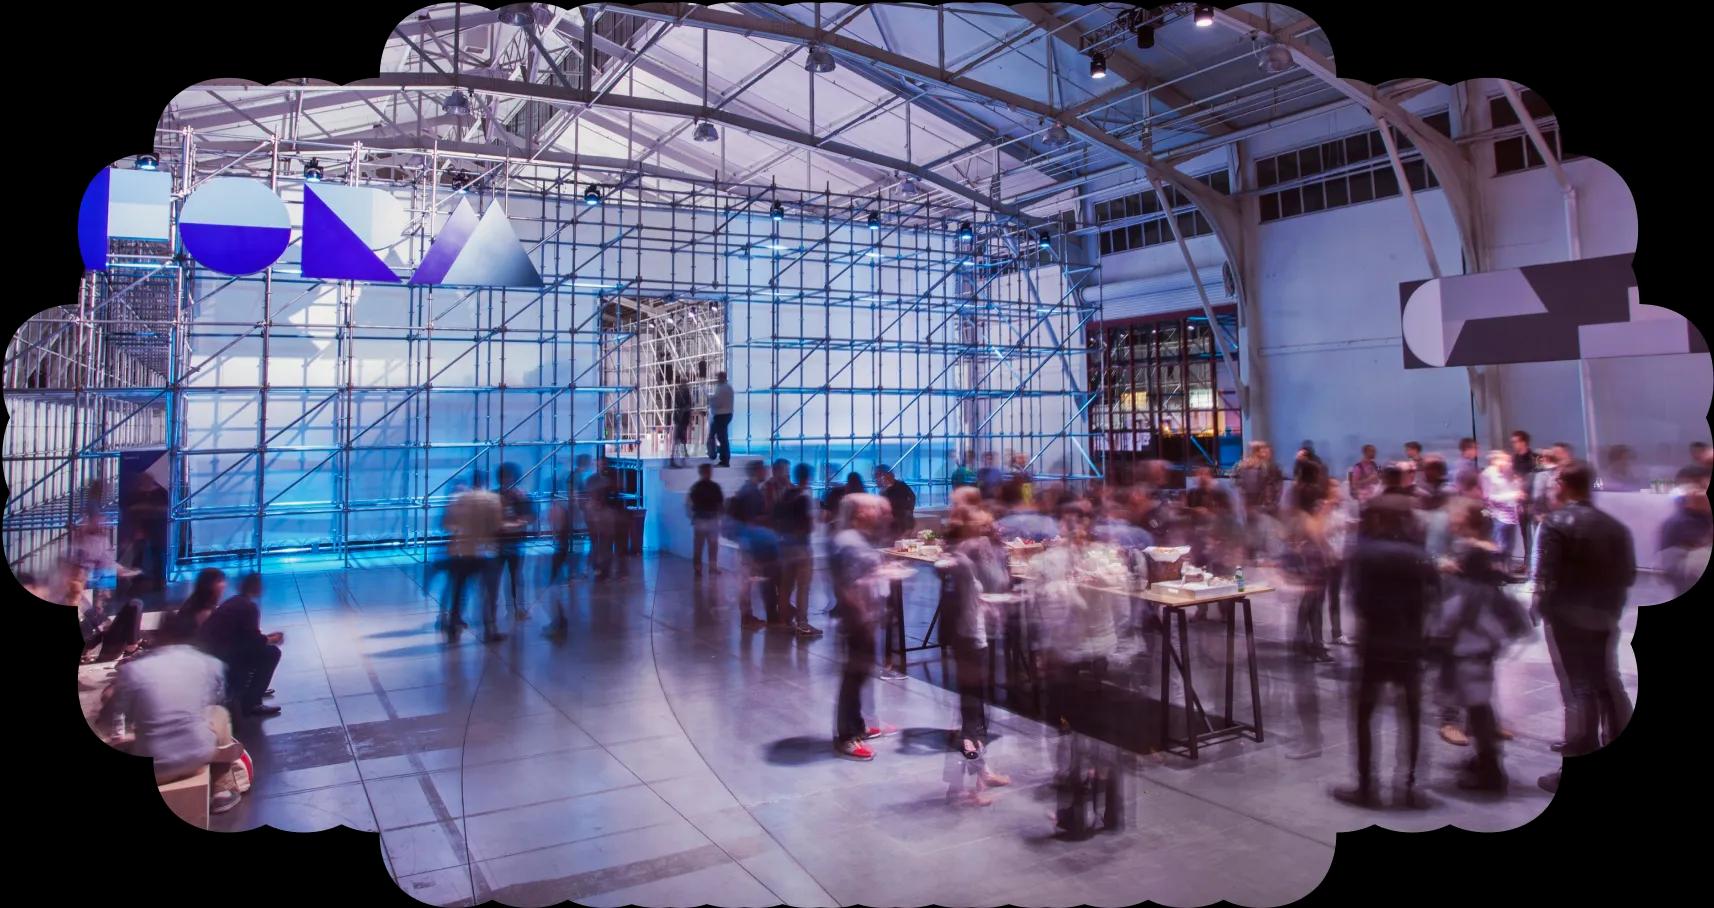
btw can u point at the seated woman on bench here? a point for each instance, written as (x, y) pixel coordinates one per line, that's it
(169, 699)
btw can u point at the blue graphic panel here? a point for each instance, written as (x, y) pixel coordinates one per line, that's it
(235, 225)
(493, 257)
(447, 245)
(332, 248)
(92, 222)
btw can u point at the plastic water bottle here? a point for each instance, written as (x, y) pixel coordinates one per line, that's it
(1240, 578)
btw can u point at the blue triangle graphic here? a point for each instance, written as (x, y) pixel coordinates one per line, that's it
(333, 251)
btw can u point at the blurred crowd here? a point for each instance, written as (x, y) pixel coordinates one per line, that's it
(1436, 563)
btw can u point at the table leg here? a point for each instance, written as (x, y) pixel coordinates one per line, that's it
(1189, 690)
(1231, 656)
(1166, 676)
(896, 619)
(1255, 681)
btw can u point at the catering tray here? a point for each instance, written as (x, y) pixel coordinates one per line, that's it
(1198, 590)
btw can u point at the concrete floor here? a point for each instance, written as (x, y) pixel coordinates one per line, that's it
(660, 756)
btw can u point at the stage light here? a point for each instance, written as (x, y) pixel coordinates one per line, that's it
(456, 104)
(1204, 15)
(966, 232)
(874, 220)
(1058, 136)
(592, 195)
(312, 171)
(818, 60)
(1145, 37)
(1098, 65)
(777, 212)
(1044, 241)
(1276, 59)
(705, 132)
(521, 15)
(147, 161)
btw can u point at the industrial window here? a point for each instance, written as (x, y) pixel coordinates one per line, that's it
(1340, 172)
(1154, 231)
(1519, 152)
(1162, 393)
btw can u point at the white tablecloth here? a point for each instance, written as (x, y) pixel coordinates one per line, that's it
(1643, 513)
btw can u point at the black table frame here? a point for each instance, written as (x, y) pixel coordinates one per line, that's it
(1193, 709)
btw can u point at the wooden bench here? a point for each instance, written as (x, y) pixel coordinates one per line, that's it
(188, 798)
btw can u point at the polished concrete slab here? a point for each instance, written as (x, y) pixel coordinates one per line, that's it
(658, 755)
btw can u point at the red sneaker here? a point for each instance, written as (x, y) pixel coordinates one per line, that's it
(854, 750)
(880, 731)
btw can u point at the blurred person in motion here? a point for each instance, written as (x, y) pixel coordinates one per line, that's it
(1391, 583)
(1021, 475)
(705, 503)
(965, 474)
(1585, 570)
(1413, 456)
(836, 492)
(207, 592)
(859, 590)
(1081, 639)
(517, 520)
(778, 481)
(1260, 484)
(901, 498)
(1523, 458)
(562, 522)
(794, 523)
(759, 547)
(1469, 458)
(979, 578)
(1365, 476)
(1620, 474)
(1341, 521)
(1307, 460)
(1686, 536)
(606, 515)
(1307, 554)
(169, 700)
(1503, 490)
(720, 400)
(683, 406)
(233, 634)
(1476, 622)
(1021, 519)
(472, 521)
(990, 477)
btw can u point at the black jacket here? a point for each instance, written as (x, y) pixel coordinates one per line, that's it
(1392, 585)
(233, 631)
(904, 502)
(1586, 563)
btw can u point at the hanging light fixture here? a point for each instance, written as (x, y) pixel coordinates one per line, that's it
(1098, 65)
(1204, 15)
(592, 195)
(705, 132)
(1275, 58)
(148, 161)
(457, 104)
(312, 171)
(1145, 37)
(874, 220)
(818, 60)
(777, 212)
(966, 232)
(910, 186)
(1044, 241)
(1057, 135)
(521, 15)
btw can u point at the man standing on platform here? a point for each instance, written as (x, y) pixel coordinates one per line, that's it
(720, 421)
(1585, 565)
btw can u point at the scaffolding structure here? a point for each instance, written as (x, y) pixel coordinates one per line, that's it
(306, 417)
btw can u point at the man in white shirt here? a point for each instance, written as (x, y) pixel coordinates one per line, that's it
(720, 421)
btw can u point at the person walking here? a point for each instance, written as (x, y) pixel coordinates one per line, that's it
(1586, 565)
(858, 579)
(794, 523)
(759, 547)
(978, 574)
(472, 521)
(1391, 579)
(1504, 493)
(720, 420)
(517, 519)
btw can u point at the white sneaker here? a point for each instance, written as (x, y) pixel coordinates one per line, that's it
(1343, 640)
(222, 801)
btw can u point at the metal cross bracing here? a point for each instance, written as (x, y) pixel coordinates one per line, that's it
(310, 418)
